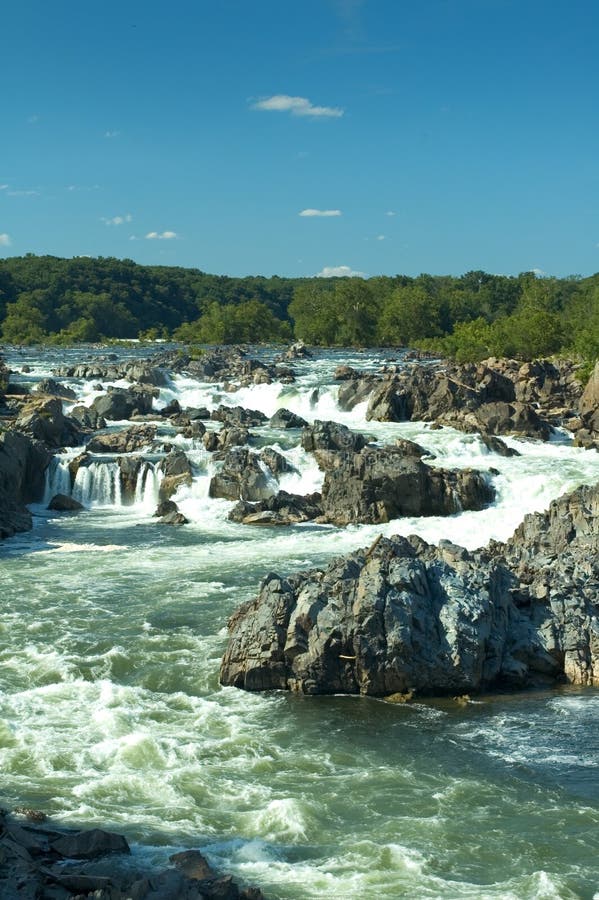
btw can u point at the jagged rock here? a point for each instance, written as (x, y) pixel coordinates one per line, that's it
(331, 436)
(63, 503)
(87, 417)
(511, 418)
(177, 471)
(52, 388)
(496, 445)
(355, 389)
(284, 418)
(119, 404)
(171, 409)
(241, 478)
(108, 369)
(405, 616)
(237, 415)
(382, 483)
(23, 463)
(589, 404)
(275, 461)
(44, 420)
(136, 437)
(173, 518)
(282, 509)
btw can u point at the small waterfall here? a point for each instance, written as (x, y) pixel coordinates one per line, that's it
(147, 485)
(98, 484)
(58, 479)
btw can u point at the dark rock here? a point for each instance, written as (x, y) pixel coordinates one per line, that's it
(87, 417)
(165, 507)
(355, 389)
(119, 404)
(63, 503)
(275, 461)
(496, 445)
(173, 518)
(237, 415)
(284, 418)
(129, 472)
(177, 471)
(171, 409)
(136, 437)
(241, 478)
(52, 388)
(380, 484)
(298, 350)
(23, 463)
(89, 844)
(282, 509)
(331, 436)
(44, 420)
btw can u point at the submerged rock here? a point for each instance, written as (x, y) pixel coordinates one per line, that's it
(404, 615)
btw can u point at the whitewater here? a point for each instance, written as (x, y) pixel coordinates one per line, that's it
(111, 714)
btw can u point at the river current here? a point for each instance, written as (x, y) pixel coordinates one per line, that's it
(111, 634)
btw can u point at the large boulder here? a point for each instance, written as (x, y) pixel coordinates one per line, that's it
(23, 463)
(119, 404)
(43, 420)
(237, 415)
(405, 616)
(242, 477)
(589, 403)
(177, 471)
(282, 509)
(52, 388)
(383, 483)
(136, 437)
(284, 418)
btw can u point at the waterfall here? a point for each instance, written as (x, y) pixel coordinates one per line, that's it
(147, 485)
(98, 484)
(58, 479)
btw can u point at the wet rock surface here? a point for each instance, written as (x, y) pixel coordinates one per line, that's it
(23, 462)
(404, 615)
(45, 862)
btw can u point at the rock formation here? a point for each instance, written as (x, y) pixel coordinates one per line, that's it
(404, 615)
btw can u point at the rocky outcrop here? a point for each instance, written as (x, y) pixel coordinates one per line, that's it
(237, 415)
(406, 616)
(227, 437)
(142, 371)
(43, 420)
(119, 404)
(231, 364)
(298, 350)
(282, 509)
(168, 513)
(23, 463)
(136, 437)
(242, 477)
(47, 862)
(52, 388)
(588, 435)
(177, 471)
(284, 418)
(383, 483)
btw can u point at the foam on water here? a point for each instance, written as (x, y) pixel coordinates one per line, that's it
(111, 634)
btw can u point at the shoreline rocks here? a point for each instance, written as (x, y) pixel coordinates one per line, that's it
(47, 862)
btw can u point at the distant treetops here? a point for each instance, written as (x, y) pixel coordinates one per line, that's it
(470, 317)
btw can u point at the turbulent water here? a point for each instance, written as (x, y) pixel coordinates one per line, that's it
(111, 634)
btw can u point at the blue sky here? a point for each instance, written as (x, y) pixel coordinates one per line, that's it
(437, 136)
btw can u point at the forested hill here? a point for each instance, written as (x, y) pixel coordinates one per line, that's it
(45, 298)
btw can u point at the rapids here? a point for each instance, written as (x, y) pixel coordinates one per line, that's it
(111, 635)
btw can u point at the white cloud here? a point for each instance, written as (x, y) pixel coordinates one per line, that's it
(390, 213)
(161, 236)
(538, 272)
(3, 187)
(5, 240)
(111, 134)
(28, 193)
(117, 220)
(297, 106)
(324, 213)
(381, 237)
(339, 272)
(33, 119)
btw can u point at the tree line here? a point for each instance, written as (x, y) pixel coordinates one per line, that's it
(468, 317)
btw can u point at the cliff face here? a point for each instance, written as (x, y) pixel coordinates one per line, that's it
(407, 616)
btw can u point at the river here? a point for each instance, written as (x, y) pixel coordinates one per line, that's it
(111, 634)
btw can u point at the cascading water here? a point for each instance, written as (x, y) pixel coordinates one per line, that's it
(110, 710)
